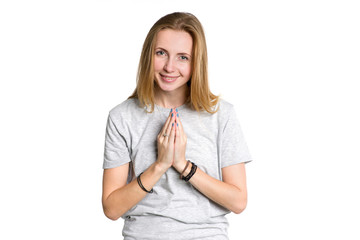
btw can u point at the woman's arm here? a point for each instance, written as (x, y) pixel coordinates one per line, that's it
(118, 197)
(230, 193)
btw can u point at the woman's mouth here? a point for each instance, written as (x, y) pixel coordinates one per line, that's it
(168, 79)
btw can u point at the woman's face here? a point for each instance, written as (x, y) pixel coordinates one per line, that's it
(172, 61)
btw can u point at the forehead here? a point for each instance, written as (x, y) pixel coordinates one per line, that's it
(174, 41)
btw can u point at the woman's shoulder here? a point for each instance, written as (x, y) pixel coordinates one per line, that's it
(224, 107)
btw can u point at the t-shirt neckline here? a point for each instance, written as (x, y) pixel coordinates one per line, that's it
(163, 109)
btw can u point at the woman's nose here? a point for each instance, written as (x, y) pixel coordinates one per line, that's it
(169, 65)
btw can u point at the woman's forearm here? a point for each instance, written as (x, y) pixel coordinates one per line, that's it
(225, 194)
(123, 199)
(230, 193)
(120, 197)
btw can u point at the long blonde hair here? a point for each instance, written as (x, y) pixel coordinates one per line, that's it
(200, 98)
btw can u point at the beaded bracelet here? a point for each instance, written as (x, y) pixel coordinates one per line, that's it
(192, 172)
(142, 187)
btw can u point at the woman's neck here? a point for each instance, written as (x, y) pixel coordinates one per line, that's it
(171, 99)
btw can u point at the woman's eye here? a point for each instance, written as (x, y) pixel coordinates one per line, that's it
(160, 53)
(184, 58)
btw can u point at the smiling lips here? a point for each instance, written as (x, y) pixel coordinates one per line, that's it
(168, 79)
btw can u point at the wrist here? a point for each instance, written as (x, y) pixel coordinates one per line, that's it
(161, 167)
(180, 166)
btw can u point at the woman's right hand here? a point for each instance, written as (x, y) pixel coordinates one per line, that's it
(165, 143)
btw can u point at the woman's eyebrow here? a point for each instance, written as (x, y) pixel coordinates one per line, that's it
(160, 48)
(184, 54)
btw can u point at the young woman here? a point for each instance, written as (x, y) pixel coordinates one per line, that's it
(174, 152)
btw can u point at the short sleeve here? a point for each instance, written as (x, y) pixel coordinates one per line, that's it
(116, 151)
(233, 146)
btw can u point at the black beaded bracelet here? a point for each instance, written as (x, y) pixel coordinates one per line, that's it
(142, 187)
(192, 172)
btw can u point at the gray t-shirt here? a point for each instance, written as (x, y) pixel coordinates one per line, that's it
(175, 210)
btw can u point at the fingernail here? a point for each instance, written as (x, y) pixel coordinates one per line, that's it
(176, 110)
(171, 110)
(177, 124)
(172, 114)
(173, 124)
(177, 114)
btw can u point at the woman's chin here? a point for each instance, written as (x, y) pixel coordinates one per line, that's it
(166, 87)
(170, 87)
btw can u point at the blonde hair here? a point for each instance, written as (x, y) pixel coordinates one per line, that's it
(200, 98)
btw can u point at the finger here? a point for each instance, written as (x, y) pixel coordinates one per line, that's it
(177, 131)
(171, 123)
(165, 126)
(179, 124)
(172, 133)
(175, 113)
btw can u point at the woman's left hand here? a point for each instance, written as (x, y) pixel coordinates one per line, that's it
(180, 146)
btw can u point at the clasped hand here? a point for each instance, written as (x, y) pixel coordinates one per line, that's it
(171, 143)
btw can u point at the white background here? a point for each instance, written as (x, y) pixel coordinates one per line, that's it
(291, 68)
